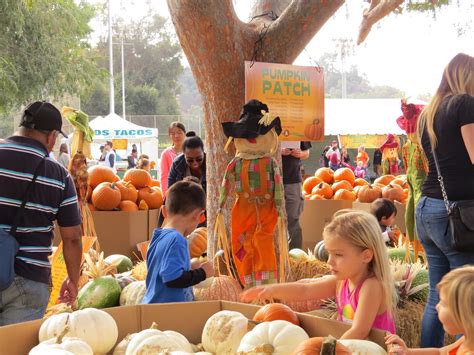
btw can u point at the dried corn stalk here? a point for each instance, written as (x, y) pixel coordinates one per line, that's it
(99, 268)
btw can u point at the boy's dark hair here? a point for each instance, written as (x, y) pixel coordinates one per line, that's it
(383, 207)
(185, 197)
(192, 143)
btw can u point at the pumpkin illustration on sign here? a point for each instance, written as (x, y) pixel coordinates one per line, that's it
(259, 189)
(314, 131)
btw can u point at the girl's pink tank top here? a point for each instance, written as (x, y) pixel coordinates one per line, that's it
(347, 304)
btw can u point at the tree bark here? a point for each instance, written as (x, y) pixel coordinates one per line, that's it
(217, 43)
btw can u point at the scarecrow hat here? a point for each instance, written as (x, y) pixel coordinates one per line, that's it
(409, 119)
(253, 122)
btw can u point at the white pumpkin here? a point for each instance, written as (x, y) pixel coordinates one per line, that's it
(121, 347)
(223, 332)
(133, 293)
(68, 345)
(363, 347)
(96, 327)
(154, 341)
(276, 337)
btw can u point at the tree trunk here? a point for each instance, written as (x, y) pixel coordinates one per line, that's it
(217, 43)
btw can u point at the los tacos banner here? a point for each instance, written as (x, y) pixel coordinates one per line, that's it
(295, 93)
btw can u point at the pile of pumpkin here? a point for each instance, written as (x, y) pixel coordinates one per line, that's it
(275, 328)
(342, 184)
(137, 190)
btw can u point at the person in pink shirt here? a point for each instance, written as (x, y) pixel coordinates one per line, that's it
(177, 133)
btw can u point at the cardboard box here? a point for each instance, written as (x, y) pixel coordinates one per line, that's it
(186, 318)
(315, 216)
(399, 220)
(152, 221)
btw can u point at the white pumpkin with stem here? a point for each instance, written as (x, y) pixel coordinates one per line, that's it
(362, 347)
(97, 328)
(121, 347)
(133, 293)
(276, 337)
(62, 345)
(155, 341)
(223, 332)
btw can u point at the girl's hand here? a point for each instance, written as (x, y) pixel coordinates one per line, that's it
(255, 293)
(398, 346)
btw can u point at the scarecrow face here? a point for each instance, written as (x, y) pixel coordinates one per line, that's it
(260, 146)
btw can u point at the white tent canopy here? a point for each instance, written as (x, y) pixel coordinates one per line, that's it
(363, 116)
(113, 126)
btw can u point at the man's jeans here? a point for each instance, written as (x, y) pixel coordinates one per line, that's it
(294, 203)
(23, 301)
(433, 231)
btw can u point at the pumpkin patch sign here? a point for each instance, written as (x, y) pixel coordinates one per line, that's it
(294, 93)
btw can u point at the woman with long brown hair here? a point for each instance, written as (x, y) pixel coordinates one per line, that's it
(447, 126)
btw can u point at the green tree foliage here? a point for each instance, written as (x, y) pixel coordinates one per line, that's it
(43, 53)
(358, 86)
(152, 67)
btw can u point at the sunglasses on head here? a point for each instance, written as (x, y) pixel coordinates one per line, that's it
(197, 160)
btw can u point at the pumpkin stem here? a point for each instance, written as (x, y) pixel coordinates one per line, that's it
(154, 325)
(63, 333)
(263, 349)
(316, 121)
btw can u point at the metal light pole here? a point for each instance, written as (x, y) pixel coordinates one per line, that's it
(123, 83)
(111, 65)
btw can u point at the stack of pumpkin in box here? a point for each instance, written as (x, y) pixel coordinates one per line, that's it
(342, 184)
(137, 190)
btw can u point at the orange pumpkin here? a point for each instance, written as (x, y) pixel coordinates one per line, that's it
(314, 131)
(154, 182)
(313, 346)
(138, 177)
(344, 184)
(128, 206)
(401, 182)
(316, 197)
(325, 174)
(344, 174)
(198, 242)
(222, 288)
(128, 192)
(106, 196)
(406, 193)
(369, 194)
(345, 195)
(152, 197)
(384, 180)
(310, 183)
(323, 189)
(360, 182)
(99, 174)
(357, 189)
(276, 311)
(393, 192)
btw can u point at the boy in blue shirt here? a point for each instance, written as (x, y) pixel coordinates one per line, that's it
(170, 274)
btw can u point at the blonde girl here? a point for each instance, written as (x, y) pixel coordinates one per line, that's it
(455, 313)
(360, 278)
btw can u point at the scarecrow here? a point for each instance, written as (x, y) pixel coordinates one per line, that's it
(389, 151)
(416, 166)
(259, 192)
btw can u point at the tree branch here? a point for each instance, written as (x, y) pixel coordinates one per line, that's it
(378, 9)
(296, 26)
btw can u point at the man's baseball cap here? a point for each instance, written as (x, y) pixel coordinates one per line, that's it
(42, 115)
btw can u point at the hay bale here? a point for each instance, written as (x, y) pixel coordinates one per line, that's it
(408, 322)
(306, 268)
